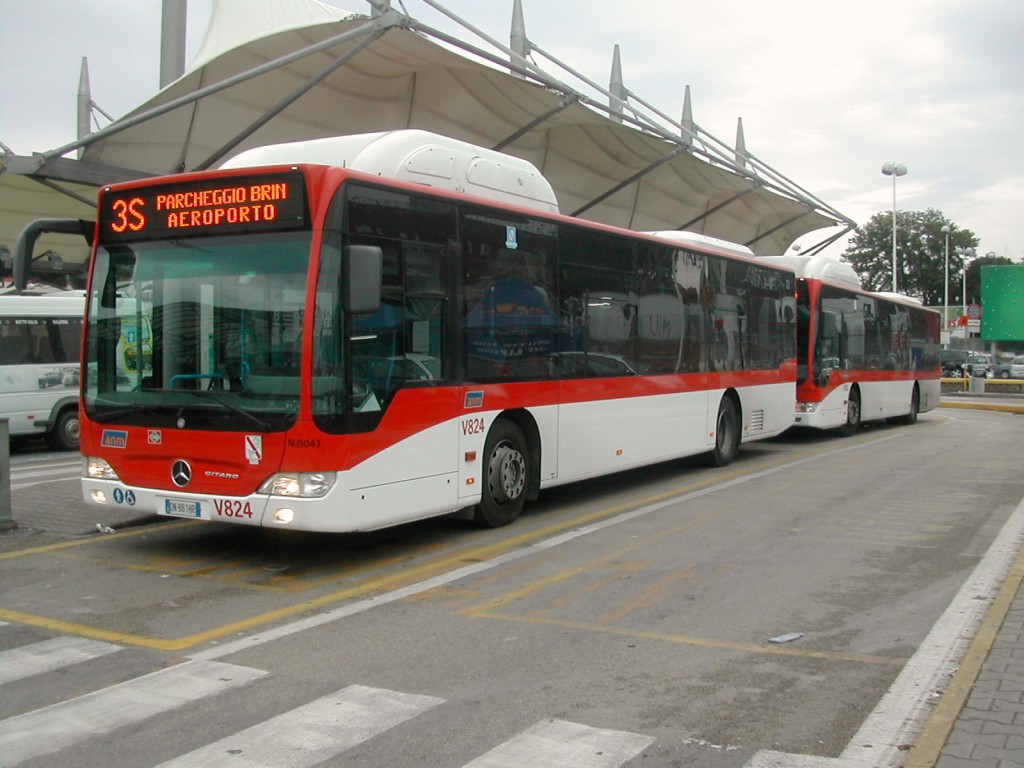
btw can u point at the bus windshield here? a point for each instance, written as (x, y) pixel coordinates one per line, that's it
(199, 332)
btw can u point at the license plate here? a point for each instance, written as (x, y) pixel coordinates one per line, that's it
(180, 508)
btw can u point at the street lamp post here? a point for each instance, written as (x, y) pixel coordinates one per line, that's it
(894, 169)
(945, 300)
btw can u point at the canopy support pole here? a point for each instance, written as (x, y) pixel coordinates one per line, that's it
(626, 182)
(819, 247)
(131, 122)
(283, 104)
(716, 208)
(563, 103)
(776, 228)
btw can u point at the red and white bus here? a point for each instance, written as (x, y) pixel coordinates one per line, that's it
(863, 356)
(334, 350)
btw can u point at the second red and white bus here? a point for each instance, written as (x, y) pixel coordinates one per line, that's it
(863, 356)
(334, 350)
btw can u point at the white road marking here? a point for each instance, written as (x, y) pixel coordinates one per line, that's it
(48, 655)
(312, 733)
(37, 470)
(560, 744)
(51, 729)
(23, 477)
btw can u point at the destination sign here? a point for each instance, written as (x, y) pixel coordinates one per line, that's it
(223, 205)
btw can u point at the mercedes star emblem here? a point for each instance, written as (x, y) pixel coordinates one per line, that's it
(181, 473)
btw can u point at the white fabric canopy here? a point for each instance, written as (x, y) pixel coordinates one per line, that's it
(405, 80)
(23, 200)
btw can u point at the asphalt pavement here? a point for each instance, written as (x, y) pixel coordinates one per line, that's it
(978, 722)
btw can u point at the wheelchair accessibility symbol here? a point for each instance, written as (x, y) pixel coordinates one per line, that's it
(124, 497)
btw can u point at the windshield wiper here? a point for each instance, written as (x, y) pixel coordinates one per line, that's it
(265, 426)
(106, 416)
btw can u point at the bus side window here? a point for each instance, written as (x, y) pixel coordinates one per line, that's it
(601, 307)
(510, 319)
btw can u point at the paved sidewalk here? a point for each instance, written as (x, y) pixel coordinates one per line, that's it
(979, 722)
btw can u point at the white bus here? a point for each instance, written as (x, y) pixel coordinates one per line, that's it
(40, 350)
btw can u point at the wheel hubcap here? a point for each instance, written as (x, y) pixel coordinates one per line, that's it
(506, 473)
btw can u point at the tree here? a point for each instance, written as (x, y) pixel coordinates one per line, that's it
(920, 255)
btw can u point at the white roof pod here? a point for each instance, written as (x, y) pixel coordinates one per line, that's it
(419, 157)
(705, 241)
(818, 267)
(826, 268)
(898, 297)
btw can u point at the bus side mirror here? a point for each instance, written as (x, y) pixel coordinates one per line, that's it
(27, 240)
(829, 325)
(364, 265)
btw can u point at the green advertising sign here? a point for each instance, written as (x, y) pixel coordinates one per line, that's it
(1002, 303)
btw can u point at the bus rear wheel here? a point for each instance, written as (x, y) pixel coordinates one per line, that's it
(852, 415)
(505, 476)
(727, 434)
(915, 407)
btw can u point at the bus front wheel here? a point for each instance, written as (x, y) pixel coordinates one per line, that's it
(852, 415)
(727, 434)
(505, 476)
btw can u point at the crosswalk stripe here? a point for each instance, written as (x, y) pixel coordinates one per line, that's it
(32, 483)
(33, 475)
(560, 744)
(48, 655)
(74, 470)
(51, 729)
(311, 733)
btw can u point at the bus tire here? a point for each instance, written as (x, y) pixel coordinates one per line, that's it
(64, 434)
(727, 434)
(915, 407)
(505, 476)
(849, 429)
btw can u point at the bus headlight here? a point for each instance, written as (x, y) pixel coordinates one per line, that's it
(299, 484)
(806, 407)
(98, 469)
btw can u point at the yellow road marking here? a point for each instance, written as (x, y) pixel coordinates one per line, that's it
(704, 642)
(537, 585)
(382, 584)
(1002, 407)
(488, 609)
(45, 548)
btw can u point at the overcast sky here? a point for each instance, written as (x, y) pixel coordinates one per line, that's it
(828, 92)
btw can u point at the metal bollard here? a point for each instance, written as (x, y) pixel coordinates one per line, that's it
(6, 510)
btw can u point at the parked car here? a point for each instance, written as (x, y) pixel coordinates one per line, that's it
(1011, 370)
(953, 362)
(981, 365)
